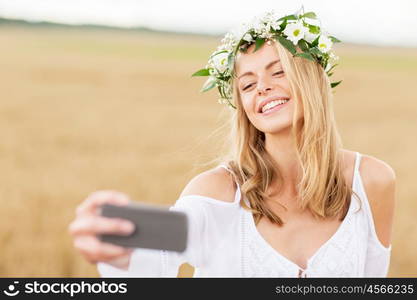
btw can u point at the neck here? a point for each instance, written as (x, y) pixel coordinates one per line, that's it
(281, 147)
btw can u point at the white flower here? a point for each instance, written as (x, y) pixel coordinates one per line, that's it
(225, 47)
(266, 35)
(240, 31)
(248, 37)
(267, 17)
(295, 31)
(228, 42)
(300, 11)
(310, 37)
(332, 60)
(227, 37)
(270, 18)
(325, 44)
(209, 81)
(333, 56)
(328, 67)
(314, 22)
(220, 61)
(227, 88)
(276, 24)
(259, 26)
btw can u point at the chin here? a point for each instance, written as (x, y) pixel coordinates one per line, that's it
(275, 125)
(278, 129)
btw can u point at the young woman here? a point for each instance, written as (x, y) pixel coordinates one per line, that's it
(288, 201)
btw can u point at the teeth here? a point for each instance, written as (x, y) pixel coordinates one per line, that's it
(273, 104)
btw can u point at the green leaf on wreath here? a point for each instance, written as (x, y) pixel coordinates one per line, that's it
(310, 15)
(315, 42)
(305, 55)
(258, 43)
(289, 17)
(208, 85)
(287, 44)
(314, 29)
(202, 72)
(303, 45)
(334, 84)
(334, 40)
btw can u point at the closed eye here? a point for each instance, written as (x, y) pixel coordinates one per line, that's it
(248, 86)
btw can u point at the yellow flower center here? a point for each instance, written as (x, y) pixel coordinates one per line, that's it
(296, 32)
(322, 45)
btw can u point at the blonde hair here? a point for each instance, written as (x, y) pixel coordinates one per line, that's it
(322, 188)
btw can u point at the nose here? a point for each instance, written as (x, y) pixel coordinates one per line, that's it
(263, 90)
(263, 86)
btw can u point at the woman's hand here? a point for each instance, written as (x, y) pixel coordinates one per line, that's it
(88, 223)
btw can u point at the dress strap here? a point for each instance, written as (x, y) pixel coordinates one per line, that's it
(224, 166)
(357, 162)
(375, 242)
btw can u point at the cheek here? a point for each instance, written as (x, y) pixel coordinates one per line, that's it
(247, 103)
(285, 85)
(248, 106)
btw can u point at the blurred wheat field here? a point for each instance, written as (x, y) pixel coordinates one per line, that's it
(84, 110)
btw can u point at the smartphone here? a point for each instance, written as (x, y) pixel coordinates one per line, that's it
(156, 227)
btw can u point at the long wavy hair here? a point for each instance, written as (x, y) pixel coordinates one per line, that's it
(321, 188)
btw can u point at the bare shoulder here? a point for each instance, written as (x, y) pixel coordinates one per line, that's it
(376, 170)
(378, 178)
(379, 181)
(215, 183)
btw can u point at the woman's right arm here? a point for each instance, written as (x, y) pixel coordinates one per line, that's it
(115, 261)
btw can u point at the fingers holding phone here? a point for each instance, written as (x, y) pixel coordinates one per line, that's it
(88, 224)
(92, 203)
(156, 227)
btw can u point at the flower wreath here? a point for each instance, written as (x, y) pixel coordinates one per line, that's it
(299, 29)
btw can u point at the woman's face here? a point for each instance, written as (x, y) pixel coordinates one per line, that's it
(260, 79)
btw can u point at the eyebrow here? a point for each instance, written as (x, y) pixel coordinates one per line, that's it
(266, 68)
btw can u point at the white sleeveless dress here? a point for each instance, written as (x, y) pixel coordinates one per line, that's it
(223, 241)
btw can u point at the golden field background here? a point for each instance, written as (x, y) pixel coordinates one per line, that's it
(84, 110)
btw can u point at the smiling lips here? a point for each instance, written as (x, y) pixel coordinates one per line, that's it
(270, 103)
